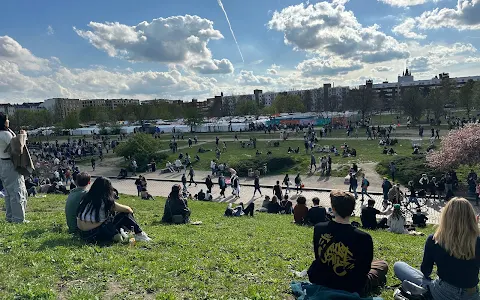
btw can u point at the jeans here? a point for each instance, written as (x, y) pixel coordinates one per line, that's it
(257, 189)
(111, 227)
(249, 210)
(15, 192)
(354, 190)
(439, 289)
(365, 192)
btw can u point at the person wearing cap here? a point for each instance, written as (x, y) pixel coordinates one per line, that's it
(176, 208)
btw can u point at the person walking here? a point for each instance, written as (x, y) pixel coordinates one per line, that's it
(184, 182)
(134, 167)
(93, 164)
(393, 170)
(191, 174)
(13, 182)
(365, 185)
(256, 185)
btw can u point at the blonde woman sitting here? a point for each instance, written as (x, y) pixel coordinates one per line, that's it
(455, 250)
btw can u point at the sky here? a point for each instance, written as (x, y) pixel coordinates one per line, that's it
(199, 48)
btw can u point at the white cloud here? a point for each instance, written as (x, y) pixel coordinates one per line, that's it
(465, 16)
(12, 51)
(406, 3)
(329, 66)
(472, 59)
(382, 69)
(272, 71)
(274, 66)
(248, 78)
(179, 39)
(437, 56)
(257, 62)
(406, 29)
(327, 28)
(50, 30)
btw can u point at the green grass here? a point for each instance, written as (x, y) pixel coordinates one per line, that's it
(225, 258)
(367, 151)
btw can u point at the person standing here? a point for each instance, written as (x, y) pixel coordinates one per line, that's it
(13, 182)
(353, 184)
(277, 190)
(365, 185)
(222, 184)
(191, 174)
(393, 170)
(134, 167)
(184, 182)
(437, 133)
(298, 183)
(256, 185)
(386, 186)
(313, 163)
(286, 182)
(93, 164)
(209, 184)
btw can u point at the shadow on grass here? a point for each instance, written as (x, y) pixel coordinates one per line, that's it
(67, 242)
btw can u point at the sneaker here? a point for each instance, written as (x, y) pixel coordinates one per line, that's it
(123, 233)
(142, 237)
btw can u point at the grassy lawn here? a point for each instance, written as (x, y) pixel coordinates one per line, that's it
(367, 151)
(248, 258)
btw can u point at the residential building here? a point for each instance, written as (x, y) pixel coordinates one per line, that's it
(7, 109)
(62, 106)
(389, 92)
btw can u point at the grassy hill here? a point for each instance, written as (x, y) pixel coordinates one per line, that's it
(247, 258)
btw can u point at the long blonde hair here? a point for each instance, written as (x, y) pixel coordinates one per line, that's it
(458, 229)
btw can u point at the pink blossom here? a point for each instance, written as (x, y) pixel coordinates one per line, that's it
(458, 147)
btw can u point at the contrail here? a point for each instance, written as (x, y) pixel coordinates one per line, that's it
(230, 25)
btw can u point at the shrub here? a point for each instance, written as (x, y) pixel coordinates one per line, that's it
(408, 168)
(144, 148)
(274, 164)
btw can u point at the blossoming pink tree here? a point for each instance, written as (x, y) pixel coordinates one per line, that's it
(459, 147)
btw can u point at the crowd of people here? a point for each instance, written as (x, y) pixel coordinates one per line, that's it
(343, 264)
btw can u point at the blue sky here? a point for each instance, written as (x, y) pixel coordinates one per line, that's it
(93, 49)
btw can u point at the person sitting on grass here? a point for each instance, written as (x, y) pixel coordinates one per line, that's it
(287, 205)
(419, 219)
(274, 207)
(73, 201)
(265, 204)
(145, 195)
(176, 209)
(369, 216)
(396, 221)
(240, 210)
(300, 211)
(455, 250)
(101, 219)
(317, 213)
(338, 240)
(200, 196)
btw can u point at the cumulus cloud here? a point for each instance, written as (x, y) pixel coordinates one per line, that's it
(329, 28)
(272, 71)
(436, 56)
(382, 69)
(178, 39)
(328, 66)
(406, 29)
(406, 3)
(248, 78)
(465, 16)
(11, 51)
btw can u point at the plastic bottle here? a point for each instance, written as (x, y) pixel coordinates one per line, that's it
(131, 237)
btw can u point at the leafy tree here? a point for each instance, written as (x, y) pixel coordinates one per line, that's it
(87, 114)
(466, 97)
(71, 121)
(268, 110)
(307, 99)
(285, 103)
(192, 117)
(363, 100)
(246, 106)
(143, 147)
(413, 103)
(435, 103)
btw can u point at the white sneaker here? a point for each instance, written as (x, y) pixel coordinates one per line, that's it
(123, 234)
(142, 237)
